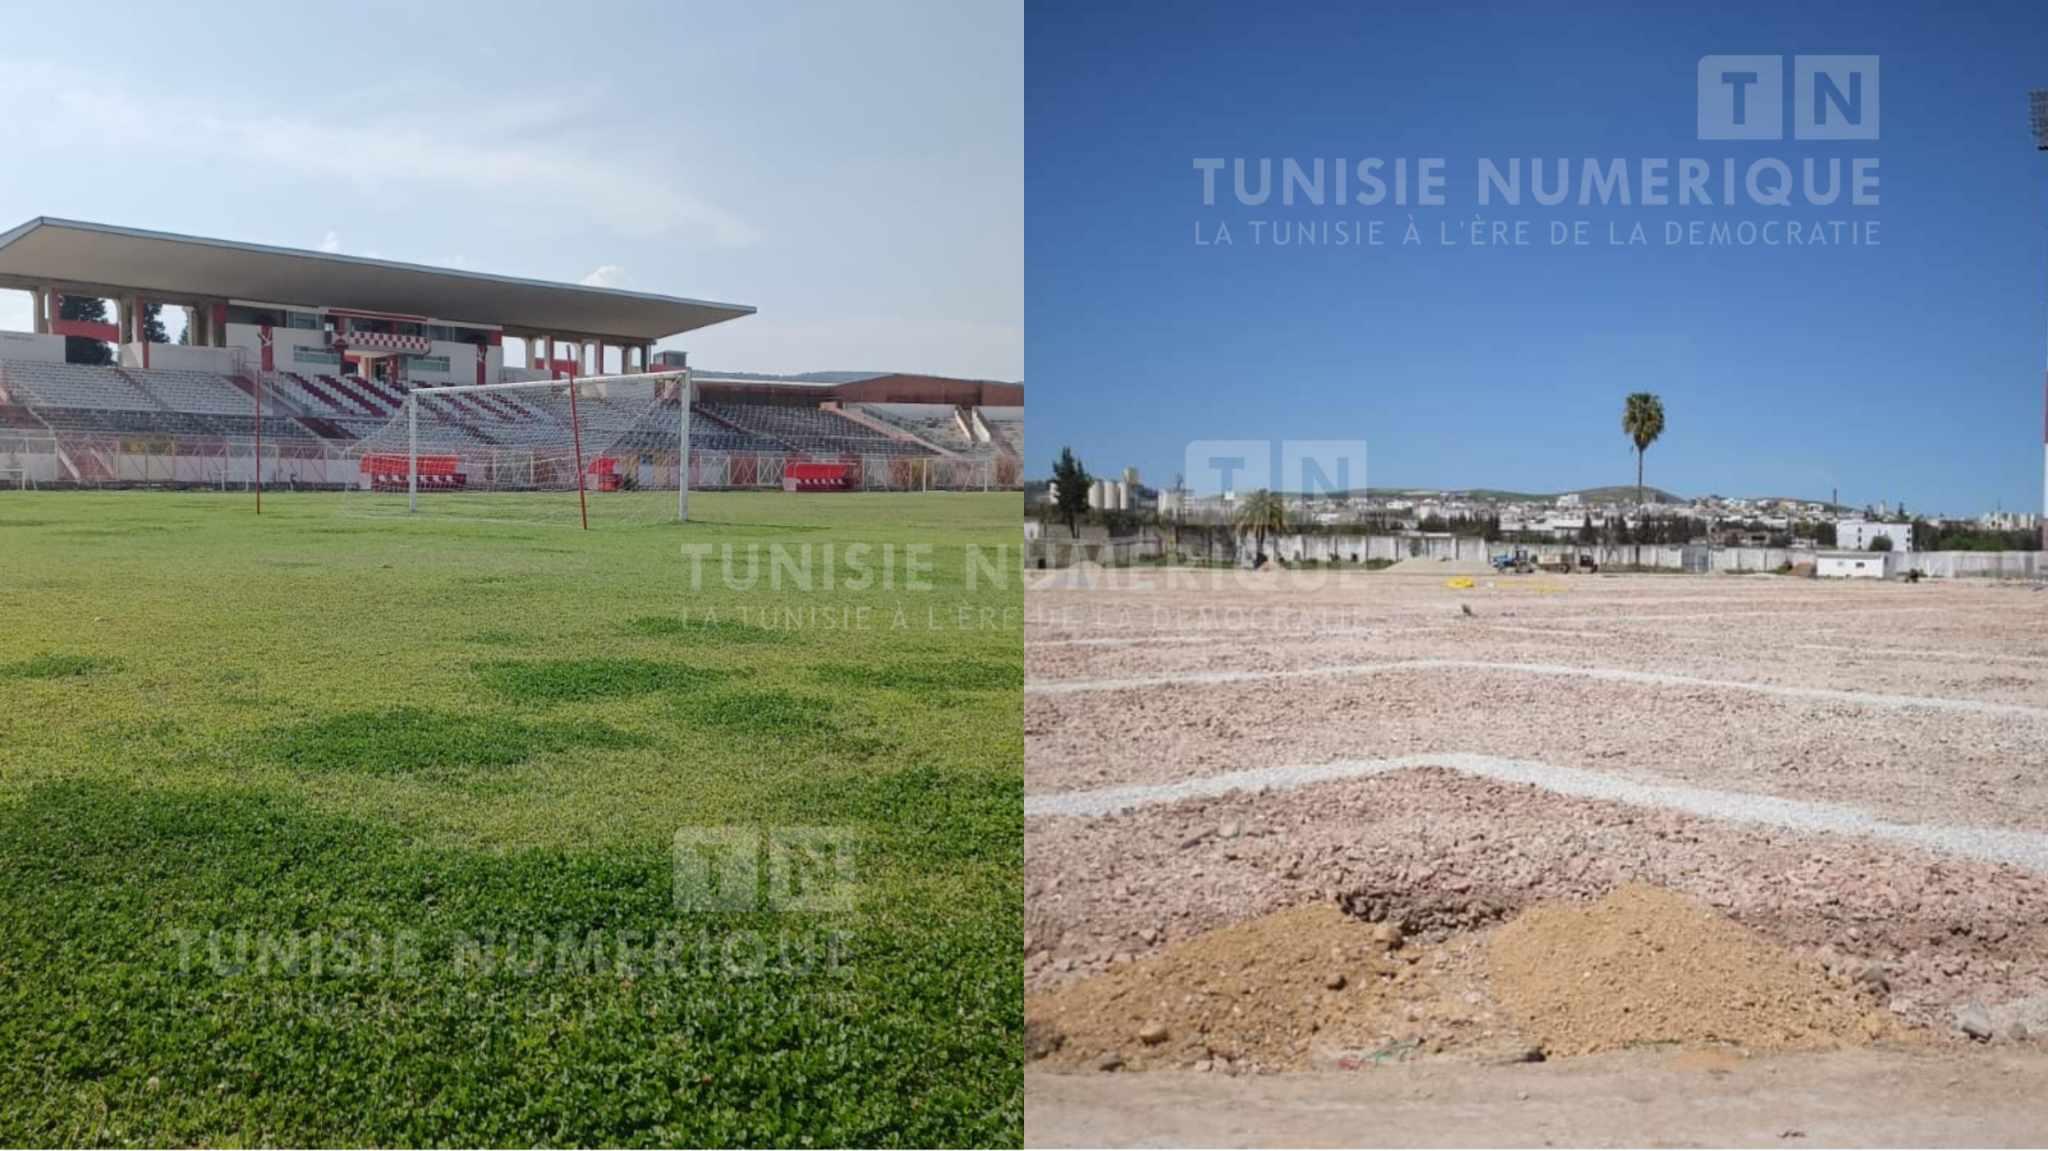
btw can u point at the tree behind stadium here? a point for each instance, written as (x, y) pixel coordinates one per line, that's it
(83, 349)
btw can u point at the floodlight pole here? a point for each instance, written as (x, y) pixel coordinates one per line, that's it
(2037, 107)
(683, 449)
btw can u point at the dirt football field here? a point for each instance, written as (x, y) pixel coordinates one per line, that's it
(1340, 843)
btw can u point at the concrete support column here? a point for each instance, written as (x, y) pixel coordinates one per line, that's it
(121, 319)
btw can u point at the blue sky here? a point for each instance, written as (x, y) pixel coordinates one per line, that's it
(854, 173)
(1908, 370)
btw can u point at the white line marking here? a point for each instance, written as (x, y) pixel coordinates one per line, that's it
(1382, 631)
(1923, 653)
(1604, 674)
(2025, 849)
(1391, 630)
(1134, 635)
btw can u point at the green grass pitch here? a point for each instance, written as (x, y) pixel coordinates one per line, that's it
(317, 829)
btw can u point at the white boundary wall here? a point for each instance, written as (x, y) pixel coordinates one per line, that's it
(1363, 548)
(31, 346)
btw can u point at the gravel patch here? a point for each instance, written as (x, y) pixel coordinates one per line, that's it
(1990, 844)
(1440, 852)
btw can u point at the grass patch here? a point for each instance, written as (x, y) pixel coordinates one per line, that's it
(565, 680)
(770, 712)
(392, 747)
(707, 630)
(496, 637)
(931, 675)
(413, 739)
(201, 911)
(118, 532)
(57, 666)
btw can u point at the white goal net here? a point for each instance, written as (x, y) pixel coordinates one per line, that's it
(595, 452)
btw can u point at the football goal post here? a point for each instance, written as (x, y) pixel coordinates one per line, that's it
(591, 452)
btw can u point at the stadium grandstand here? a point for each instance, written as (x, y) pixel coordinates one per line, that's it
(330, 347)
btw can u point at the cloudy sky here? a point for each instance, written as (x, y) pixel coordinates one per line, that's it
(854, 172)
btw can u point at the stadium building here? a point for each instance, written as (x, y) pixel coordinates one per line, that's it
(332, 345)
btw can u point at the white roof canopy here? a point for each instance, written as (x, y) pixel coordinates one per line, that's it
(110, 261)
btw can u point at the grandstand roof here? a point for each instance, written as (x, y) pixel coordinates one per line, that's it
(114, 261)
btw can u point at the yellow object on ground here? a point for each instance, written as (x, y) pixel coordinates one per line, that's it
(1459, 582)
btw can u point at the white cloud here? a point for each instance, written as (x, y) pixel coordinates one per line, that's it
(604, 276)
(330, 243)
(509, 167)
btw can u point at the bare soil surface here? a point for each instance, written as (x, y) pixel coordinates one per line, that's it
(1638, 1098)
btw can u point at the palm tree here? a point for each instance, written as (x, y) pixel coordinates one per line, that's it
(1642, 417)
(1259, 513)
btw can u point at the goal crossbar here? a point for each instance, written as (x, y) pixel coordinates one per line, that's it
(530, 385)
(575, 384)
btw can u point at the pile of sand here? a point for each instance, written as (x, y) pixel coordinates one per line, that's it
(1301, 987)
(1313, 987)
(1646, 965)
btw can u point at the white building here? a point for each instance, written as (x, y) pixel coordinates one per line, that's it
(1852, 565)
(1856, 535)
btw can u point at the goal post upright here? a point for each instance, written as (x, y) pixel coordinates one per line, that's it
(576, 439)
(412, 452)
(684, 398)
(257, 393)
